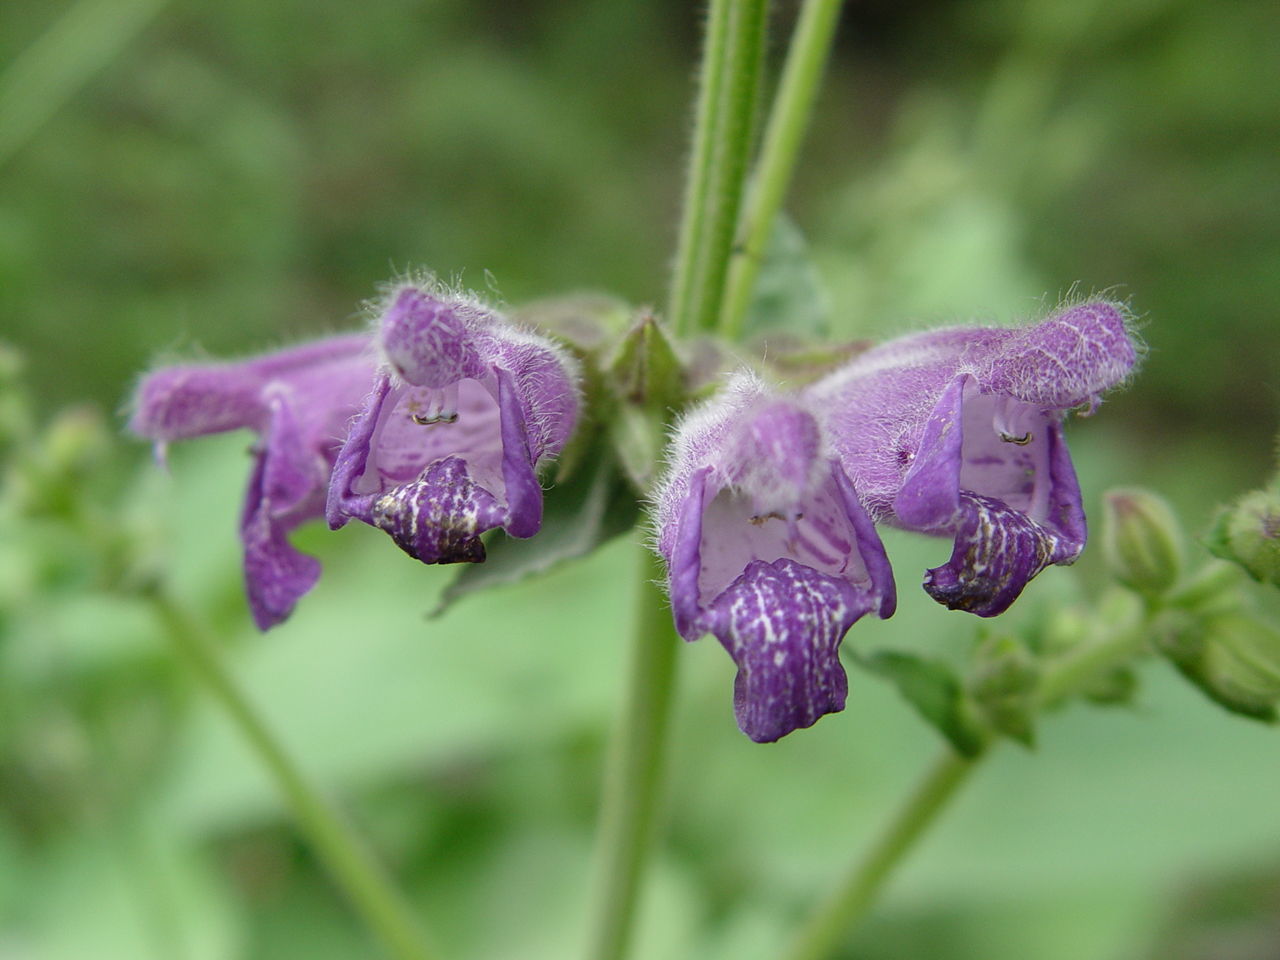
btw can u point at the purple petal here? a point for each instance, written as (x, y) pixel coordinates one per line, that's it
(782, 623)
(997, 552)
(1067, 360)
(929, 496)
(439, 517)
(429, 341)
(283, 492)
(524, 495)
(343, 502)
(180, 402)
(684, 565)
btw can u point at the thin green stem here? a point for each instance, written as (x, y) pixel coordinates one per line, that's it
(349, 862)
(698, 178)
(633, 778)
(854, 896)
(1073, 671)
(833, 920)
(784, 133)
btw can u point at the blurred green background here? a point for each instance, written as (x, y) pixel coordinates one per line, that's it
(178, 179)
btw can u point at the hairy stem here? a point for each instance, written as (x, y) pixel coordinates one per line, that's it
(728, 99)
(347, 859)
(698, 176)
(633, 776)
(788, 120)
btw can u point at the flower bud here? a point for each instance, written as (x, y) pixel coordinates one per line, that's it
(1233, 659)
(1248, 533)
(1142, 540)
(1242, 660)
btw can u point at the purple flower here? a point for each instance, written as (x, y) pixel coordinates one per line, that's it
(768, 548)
(448, 444)
(299, 402)
(958, 432)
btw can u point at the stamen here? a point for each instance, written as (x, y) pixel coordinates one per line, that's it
(1009, 419)
(439, 406)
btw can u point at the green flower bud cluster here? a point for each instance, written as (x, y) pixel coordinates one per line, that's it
(1202, 625)
(1248, 533)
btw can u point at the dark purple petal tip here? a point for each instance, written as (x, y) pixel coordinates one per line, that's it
(782, 623)
(439, 517)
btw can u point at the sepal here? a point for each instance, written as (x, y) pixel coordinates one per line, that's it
(647, 381)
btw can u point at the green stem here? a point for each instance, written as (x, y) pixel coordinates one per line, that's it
(854, 896)
(788, 120)
(349, 862)
(718, 167)
(635, 765)
(698, 177)
(843, 909)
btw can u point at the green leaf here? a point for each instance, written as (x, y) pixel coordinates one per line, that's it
(935, 691)
(789, 295)
(594, 506)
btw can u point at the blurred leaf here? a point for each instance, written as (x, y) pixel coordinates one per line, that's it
(128, 894)
(1003, 682)
(935, 691)
(789, 296)
(591, 508)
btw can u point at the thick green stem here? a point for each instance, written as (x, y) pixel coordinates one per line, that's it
(698, 178)
(833, 920)
(784, 133)
(633, 777)
(349, 862)
(854, 896)
(727, 104)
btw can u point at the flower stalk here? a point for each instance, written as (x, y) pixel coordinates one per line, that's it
(349, 862)
(635, 766)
